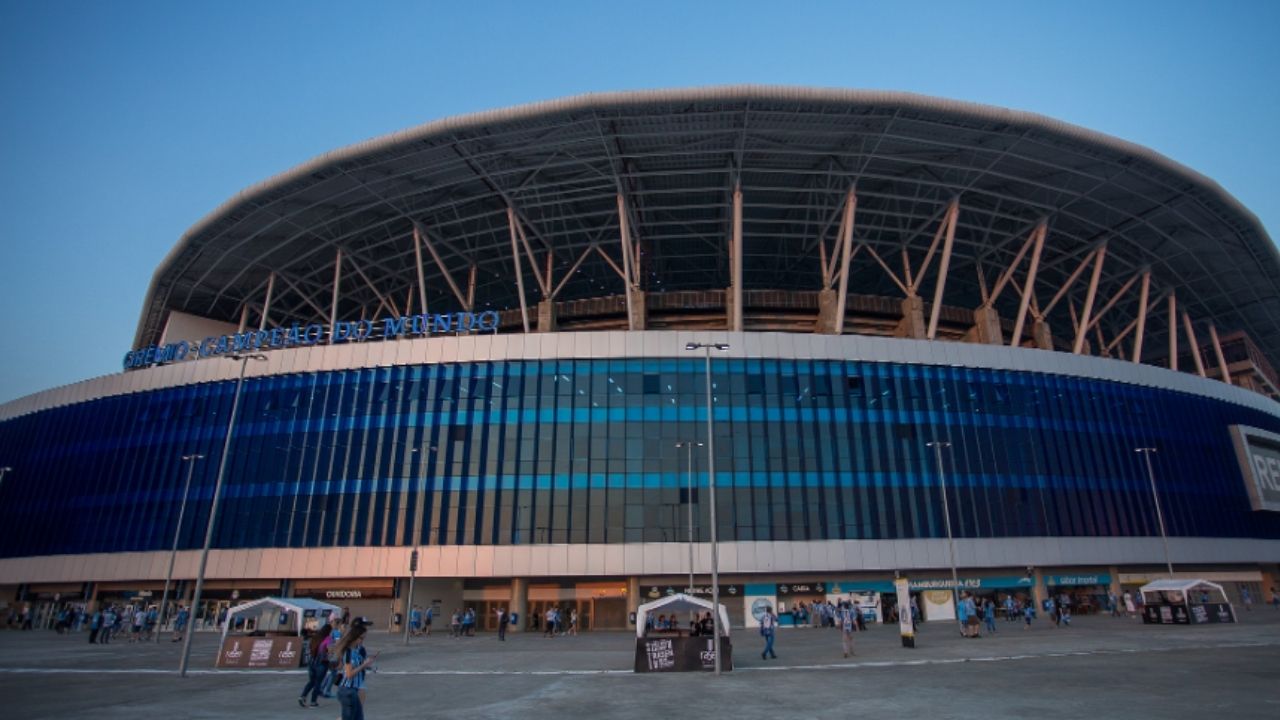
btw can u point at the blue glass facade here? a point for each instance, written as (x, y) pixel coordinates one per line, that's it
(582, 451)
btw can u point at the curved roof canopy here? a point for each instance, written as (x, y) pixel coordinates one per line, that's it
(675, 157)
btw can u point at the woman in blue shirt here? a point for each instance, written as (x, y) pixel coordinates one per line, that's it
(355, 661)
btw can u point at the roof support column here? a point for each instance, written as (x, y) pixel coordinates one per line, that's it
(266, 304)
(1029, 287)
(337, 280)
(417, 262)
(1089, 297)
(1195, 344)
(934, 312)
(846, 253)
(735, 262)
(1173, 331)
(515, 260)
(1217, 351)
(244, 317)
(1143, 297)
(624, 238)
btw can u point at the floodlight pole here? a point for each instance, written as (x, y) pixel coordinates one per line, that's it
(213, 507)
(937, 446)
(711, 498)
(1155, 498)
(688, 445)
(177, 531)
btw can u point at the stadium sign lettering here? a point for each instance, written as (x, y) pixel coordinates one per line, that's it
(388, 328)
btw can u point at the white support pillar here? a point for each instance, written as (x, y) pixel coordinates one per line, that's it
(1089, 297)
(1143, 297)
(337, 280)
(846, 253)
(1041, 230)
(515, 259)
(266, 305)
(936, 310)
(1195, 344)
(244, 318)
(624, 234)
(448, 276)
(735, 258)
(417, 261)
(1217, 351)
(1173, 331)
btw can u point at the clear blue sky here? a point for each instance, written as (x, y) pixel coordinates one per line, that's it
(122, 124)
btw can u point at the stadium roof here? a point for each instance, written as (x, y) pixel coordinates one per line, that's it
(676, 156)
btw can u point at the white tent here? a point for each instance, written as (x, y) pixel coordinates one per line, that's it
(1181, 591)
(679, 603)
(296, 606)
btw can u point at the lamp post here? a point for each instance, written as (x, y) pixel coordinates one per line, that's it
(688, 445)
(1155, 498)
(711, 497)
(413, 573)
(190, 460)
(213, 506)
(937, 446)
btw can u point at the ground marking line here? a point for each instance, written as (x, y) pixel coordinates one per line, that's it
(621, 672)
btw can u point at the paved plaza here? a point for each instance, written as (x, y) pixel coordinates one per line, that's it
(1100, 667)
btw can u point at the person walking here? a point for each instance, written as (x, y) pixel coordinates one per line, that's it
(1246, 599)
(989, 615)
(109, 620)
(317, 666)
(180, 622)
(431, 611)
(550, 623)
(329, 648)
(455, 623)
(1128, 604)
(573, 622)
(768, 626)
(95, 627)
(355, 662)
(1028, 614)
(501, 612)
(1275, 599)
(846, 616)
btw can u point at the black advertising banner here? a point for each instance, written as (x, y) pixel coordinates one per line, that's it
(261, 652)
(681, 654)
(1179, 615)
(654, 592)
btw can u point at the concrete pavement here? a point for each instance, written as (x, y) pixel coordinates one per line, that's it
(1101, 666)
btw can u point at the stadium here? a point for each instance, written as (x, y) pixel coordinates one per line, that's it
(499, 340)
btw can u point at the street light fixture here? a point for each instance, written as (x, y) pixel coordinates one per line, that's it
(711, 496)
(177, 531)
(4, 471)
(1155, 498)
(689, 445)
(937, 446)
(213, 505)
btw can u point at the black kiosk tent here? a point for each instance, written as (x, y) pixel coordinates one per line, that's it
(1185, 602)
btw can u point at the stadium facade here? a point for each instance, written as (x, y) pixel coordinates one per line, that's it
(473, 339)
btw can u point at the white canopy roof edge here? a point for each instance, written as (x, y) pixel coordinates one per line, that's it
(677, 603)
(294, 605)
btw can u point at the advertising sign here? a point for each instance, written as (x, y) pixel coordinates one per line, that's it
(801, 588)
(260, 652)
(1259, 454)
(906, 628)
(681, 654)
(1077, 580)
